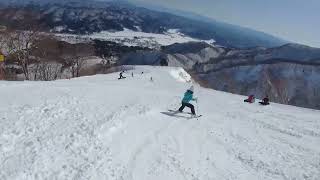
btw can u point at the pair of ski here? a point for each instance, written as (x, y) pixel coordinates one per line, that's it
(176, 113)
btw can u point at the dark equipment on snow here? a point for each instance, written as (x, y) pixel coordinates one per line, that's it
(265, 101)
(178, 114)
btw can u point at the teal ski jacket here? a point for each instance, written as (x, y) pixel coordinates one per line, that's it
(188, 96)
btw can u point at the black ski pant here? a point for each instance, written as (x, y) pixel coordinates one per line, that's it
(188, 105)
(264, 103)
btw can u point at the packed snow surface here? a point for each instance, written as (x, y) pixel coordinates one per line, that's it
(100, 127)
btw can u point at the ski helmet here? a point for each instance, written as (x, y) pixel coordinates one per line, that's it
(191, 89)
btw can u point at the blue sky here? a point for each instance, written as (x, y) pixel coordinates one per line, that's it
(293, 20)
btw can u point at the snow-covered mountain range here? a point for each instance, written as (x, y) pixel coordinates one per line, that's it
(217, 54)
(289, 74)
(100, 127)
(94, 17)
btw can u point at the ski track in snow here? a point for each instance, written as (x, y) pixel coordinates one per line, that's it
(102, 128)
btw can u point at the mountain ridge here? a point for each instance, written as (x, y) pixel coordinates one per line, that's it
(259, 71)
(119, 15)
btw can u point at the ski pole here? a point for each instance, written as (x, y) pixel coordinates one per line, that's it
(198, 101)
(198, 107)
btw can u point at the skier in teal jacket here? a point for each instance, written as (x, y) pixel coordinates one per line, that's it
(188, 96)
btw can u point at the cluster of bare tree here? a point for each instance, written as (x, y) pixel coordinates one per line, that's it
(40, 56)
(19, 46)
(32, 54)
(75, 60)
(107, 62)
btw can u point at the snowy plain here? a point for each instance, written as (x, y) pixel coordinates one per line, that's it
(100, 127)
(129, 37)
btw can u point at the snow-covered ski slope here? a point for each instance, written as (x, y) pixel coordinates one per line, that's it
(102, 128)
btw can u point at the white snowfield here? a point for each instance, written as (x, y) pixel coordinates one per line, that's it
(129, 37)
(102, 128)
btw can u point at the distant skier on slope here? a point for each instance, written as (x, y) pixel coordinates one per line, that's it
(188, 96)
(251, 99)
(121, 75)
(265, 101)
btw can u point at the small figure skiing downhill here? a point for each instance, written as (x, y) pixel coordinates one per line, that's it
(121, 75)
(188, 96)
